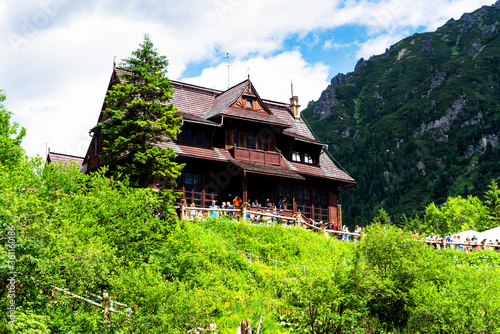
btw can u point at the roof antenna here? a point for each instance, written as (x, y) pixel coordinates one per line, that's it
(248, 73)
(291, 85)
(227, 60)
(114, 62)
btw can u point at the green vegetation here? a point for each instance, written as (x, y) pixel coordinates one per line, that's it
(92, 234)
(139, 121)
(423, 120)
(10, 137)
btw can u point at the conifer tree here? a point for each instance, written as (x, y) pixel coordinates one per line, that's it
(493, 203)
(141, 119)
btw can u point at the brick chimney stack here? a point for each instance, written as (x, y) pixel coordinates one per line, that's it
(294, 106)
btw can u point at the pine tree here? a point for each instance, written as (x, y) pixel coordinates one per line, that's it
(140, 119)
(493, 203)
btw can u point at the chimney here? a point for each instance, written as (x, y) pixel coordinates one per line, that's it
(294, 106)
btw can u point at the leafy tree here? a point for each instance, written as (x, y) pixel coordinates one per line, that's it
(493, 203)
(141, 119)
(10, 137)
(457, 214)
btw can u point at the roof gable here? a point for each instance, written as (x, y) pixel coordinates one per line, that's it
(242, 98)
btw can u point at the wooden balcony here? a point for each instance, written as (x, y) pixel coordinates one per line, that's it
(256, 156)
(94, 162)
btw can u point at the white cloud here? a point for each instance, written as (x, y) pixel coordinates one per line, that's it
(377, 45)
(57, 54)
(271, 76)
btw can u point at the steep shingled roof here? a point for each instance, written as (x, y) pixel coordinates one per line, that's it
(202, 105)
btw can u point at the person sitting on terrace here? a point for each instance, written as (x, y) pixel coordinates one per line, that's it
(213, 206)
(256, 204)
(223, 206)
(268, 203)
(192, 212)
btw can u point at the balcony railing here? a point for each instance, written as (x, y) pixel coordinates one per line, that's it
(257, 156)
(94, 162)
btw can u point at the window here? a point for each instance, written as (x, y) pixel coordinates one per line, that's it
(197, 138)
(285, 194)
(251, 139)
(308, 159)
(295, 156)
(249, 104)
(187, 137)
(304, 201)
(201, 139)
(192, 188)
(320, 202)
(265, 141)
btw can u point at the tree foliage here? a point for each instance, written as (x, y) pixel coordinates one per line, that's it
(457, 214)
(492, 201)
(141, 119)
(10, 137)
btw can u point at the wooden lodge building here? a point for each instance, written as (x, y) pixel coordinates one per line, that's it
(235, 143)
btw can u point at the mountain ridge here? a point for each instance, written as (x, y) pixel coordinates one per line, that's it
(419, 122)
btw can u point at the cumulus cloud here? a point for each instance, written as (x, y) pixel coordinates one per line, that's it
(57, 54)
(271, 76)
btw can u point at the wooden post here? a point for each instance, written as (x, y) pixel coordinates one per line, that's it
(245, 183)
(260, 324)
(105, 303)
(243, 208)
(339, 216)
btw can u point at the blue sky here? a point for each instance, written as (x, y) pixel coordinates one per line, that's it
(57, 55)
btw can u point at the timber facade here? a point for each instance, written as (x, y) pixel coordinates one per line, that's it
(235, 143)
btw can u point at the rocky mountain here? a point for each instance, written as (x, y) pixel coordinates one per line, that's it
(420, 122)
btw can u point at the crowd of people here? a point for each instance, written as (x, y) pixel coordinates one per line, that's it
(266, 213)
(466, 244)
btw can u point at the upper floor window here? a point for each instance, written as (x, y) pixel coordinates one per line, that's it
(296, 156)
(249, 104)
(302, 157)
(187, 137)
(265, 141)
(251, 139)
(201, 139)
(197, 138)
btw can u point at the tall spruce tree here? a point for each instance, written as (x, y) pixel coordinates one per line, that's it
(140, 119)
(492, 202)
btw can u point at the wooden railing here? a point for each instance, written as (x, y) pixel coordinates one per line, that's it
(94, 162)
(301, 221)
(258, 156)
(470, 245)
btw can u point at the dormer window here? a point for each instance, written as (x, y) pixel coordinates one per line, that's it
(295, 156)
(249, 104)
(308, 159)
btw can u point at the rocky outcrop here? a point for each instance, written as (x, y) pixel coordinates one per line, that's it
(327, 100)
(426, 45)
(444, 123)
(480, 147)
(359, 65)
(475, 47)
(469, 19)
(436, 81)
